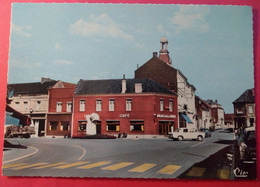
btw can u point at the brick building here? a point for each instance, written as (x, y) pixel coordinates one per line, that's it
(138, 107)
(159, 68)
(59, 115)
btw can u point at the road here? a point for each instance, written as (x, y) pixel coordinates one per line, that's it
(126, 158)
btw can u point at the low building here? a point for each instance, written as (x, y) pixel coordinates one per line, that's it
(59, 115)
(217, 113)
(244, 109)
(229, 121)
(31, 99)
(204, 117)
(137, 107)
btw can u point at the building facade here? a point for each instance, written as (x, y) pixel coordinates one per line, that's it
(31, 99)
(204, 119)
(217, 114)
(229, 121)
(159, 68)
(59, 115)
(244, 109)
(136, 107)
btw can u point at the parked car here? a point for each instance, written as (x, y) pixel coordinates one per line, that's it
(207, 132)
(185, 133)
(247, 144)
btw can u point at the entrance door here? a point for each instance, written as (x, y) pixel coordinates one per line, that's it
(98, 125)
(165, 127)
(41, 127)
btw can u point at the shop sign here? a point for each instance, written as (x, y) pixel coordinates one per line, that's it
(124, 115)
(165, 116)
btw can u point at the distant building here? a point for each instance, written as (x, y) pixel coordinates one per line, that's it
(204, 117)
(137, 107)
(160, 70)
(244, 109)
(60, 109)
(229, 121)
(217, 114)
(31, 99)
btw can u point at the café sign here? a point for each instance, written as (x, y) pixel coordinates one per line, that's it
(124, 115)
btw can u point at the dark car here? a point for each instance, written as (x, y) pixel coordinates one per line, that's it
(247, 144)
(207, 132)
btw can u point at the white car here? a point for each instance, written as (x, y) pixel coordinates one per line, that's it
(185, 133)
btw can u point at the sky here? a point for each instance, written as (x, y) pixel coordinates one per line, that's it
(211, 45)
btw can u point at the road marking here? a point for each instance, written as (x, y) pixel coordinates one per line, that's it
(198, 144)
(143, 167)
(117, 166)
(50, 165)
(70, 165)
(169, 169)
(22, 157)
(13, 165)
(223, 174)
(84, 151)
(28, 166)
(97, 164)
(196, 172)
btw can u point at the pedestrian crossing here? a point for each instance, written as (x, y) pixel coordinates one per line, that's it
(131, 167)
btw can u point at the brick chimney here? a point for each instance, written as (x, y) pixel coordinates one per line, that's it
(164, 53)
(123, 84)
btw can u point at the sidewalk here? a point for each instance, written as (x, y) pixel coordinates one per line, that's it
(14, 152)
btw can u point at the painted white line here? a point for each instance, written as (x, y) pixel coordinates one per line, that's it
(22, 157)
(198, 144)
(84, 151)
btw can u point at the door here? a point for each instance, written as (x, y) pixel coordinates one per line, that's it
(165, 127)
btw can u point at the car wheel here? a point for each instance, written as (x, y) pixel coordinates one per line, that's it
(180, 138)
(200, 138)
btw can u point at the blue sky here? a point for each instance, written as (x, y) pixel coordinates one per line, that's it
(211, 45)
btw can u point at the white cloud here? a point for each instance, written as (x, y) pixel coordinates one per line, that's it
(102, 26)
(63, 62)
(191, 17)
(21, 30)
(57, 46)
(24, 65)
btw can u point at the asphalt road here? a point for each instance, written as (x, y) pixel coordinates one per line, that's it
(126, 158)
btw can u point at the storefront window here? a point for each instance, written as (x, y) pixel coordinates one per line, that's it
(65, 125)
(53, 125)
(82, 125)
(137, 126)
(113, 125)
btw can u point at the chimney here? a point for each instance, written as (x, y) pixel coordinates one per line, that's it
(138, 88)
(123, 84)
(154, 54)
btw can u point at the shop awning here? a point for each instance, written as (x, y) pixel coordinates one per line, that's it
(9, 120)
(186, 118)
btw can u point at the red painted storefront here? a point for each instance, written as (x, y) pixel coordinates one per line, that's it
(60, 109)
(145, 117)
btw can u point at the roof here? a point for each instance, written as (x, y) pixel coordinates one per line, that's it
(115, 86)
(247, 97)
(34, 88)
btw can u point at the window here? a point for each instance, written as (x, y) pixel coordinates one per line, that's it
(111, 104)
(137, 126)
(171, 105)
(58, 106)
(113, 125)
(250, 109)
(53, 125)
(17, 106)
(128, 104)
(82, 125)
(82, 105)
(65, 125)
(69, 107)
(38, 106)
(25, 103)
(161, 104)
(98, 105)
